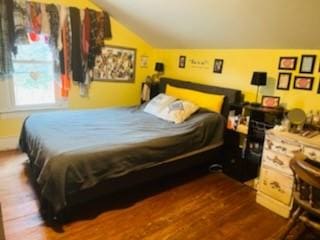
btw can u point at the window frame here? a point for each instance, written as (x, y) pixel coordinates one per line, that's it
(10, 99)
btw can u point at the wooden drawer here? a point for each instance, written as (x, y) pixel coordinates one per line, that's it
(312, 153)
(282, 146)
(276, 185)
(277, 161)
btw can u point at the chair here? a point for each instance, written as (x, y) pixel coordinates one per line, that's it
(306, 194)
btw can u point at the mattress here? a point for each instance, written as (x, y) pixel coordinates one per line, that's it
(74, 150)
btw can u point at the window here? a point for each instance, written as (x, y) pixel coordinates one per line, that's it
(33, 84)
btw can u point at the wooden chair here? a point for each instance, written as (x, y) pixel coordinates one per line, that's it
(306, 195)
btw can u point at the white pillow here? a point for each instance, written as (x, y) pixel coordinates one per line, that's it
(158, 103)
(178, 111)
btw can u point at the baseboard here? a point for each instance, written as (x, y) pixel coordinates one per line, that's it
(8, 143)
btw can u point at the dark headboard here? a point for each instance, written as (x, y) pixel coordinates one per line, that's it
(232, 96)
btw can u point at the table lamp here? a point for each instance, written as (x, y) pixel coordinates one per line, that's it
(258, 79)
(159, 68)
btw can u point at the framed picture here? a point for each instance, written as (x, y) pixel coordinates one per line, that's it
(115, 64)
(284, 80)
(307, 63)
(144, 61)
(218, 65)
(287, 63)
(182, 61)
(270, 101)
(304, 83)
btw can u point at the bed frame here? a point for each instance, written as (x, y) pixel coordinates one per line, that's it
(206, 156)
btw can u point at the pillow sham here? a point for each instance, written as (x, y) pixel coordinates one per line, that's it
(158, 103)
(212, 102)
(178, 111)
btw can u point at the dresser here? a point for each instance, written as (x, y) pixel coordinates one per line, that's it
(276, 180)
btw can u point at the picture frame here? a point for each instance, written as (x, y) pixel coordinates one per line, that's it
(284, 80)
(303, 83)
(144, 61)
(270, 101)
(115, 64)
(218, 65)
(307, 63)
(182, 61)
(288, 63)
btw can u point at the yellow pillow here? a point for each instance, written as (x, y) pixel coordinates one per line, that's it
(209, 101)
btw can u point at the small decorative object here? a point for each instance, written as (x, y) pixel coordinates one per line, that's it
(304, 83)
(307, 63)
(115, 64)
(297, 118)
(258, 79)
(284, 80)
(270, 101)
(218, 65)
(144, 61)
(159, 68)
(182, 61)
(288, 63)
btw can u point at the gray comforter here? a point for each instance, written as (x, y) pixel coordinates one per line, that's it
(74, 150)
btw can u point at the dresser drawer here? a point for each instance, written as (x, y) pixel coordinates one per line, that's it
(276, 185)
(277, 160)
(282, 146)
(312, 153)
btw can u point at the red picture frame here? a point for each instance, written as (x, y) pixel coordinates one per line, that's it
(288, 63)
(303, 83)
(270, 101)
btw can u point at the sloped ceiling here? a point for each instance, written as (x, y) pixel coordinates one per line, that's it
(220, 24)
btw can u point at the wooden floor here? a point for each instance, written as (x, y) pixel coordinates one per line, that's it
(209, 206)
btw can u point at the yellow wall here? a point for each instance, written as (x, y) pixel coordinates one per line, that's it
(102, 94)
(237, 71)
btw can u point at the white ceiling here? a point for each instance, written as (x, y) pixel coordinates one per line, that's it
(285, 24)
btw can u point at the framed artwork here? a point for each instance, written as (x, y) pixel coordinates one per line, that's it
(284, 80)
(116, 64)
(218, 65)
(270, 101)
(307, 63)
(304, 83)
(144, 61)
(287, 63)
(182, 61)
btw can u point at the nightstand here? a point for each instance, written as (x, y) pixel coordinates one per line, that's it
(154, 89)
(243, 145)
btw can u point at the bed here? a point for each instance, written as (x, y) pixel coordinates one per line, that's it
(75, 156)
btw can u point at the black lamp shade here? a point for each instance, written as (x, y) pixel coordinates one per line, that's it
(259, 79)
(159, 67)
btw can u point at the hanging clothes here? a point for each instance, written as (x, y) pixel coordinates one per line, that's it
(85, 35)
(11, 34)
(76, 58)
(5, 46)
(21, 21)
(45, 24)
(35, 15)
(54, 22)
(107, 26)
(65, 57)
(98, 33)
(64, 12)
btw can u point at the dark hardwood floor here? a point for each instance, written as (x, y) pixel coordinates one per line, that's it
(190, 206)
